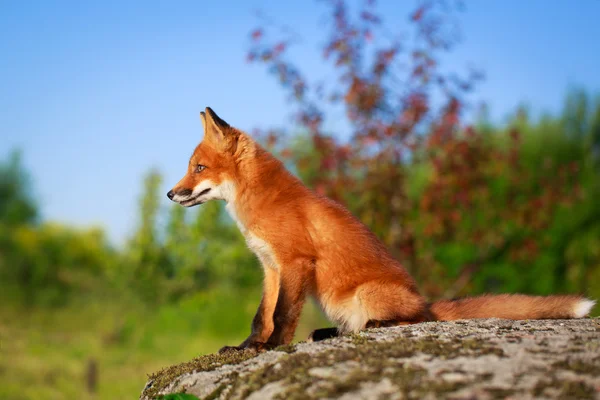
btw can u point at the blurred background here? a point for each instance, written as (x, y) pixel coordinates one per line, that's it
(466, 134)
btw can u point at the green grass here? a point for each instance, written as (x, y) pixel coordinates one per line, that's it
(46, 353)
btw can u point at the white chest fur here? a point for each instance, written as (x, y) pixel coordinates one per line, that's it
(261, 248)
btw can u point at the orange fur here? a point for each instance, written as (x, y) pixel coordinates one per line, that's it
(310, 245)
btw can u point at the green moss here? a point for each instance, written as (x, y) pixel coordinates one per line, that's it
(358, 338)
(577, 390)
(579, 366)
(578, 341)
(439, 388)
(166, 376)
(456, 347)
(499, 393)
(177, 396)
(216, 393)
(485, 376)
(286, 348)
(564, 389)
(377, 360)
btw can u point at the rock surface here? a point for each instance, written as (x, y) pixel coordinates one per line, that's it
(476, 359)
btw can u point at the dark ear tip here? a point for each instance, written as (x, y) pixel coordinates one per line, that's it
(216, 118)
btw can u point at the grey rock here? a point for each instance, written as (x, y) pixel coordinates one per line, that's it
(474, 359)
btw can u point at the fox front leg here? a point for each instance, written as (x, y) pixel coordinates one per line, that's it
(292, 294)
(262, 324)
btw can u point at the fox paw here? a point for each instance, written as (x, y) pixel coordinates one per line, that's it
(256, 347)
(322, 334)
(230, 349)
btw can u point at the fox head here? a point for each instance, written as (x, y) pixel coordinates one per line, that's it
(211, 170)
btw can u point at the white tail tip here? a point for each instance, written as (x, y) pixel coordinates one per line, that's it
(583, 308)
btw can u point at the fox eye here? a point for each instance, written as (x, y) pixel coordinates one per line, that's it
(200, 167)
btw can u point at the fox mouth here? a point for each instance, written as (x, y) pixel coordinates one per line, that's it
(194, 201)
(191, 202)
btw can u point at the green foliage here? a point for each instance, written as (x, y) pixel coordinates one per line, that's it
(199, 250)
(47, 263)
(146, 261)
(16, 193)
(556, 152)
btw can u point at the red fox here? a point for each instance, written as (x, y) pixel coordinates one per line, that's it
(310, 245)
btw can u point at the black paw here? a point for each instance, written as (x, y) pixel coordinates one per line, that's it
(321, 334)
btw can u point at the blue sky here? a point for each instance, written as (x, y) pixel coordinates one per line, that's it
(97, 93)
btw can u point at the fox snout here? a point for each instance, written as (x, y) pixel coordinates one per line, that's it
(184, 193)
(189, 197)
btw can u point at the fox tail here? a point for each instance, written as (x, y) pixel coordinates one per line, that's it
(513, 306)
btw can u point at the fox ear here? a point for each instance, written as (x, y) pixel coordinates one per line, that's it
(203, 119)
(217, 131)
(215, 120)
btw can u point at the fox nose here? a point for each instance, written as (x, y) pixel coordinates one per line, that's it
(170, 195)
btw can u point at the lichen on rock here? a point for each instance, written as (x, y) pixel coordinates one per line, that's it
(484, 359)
